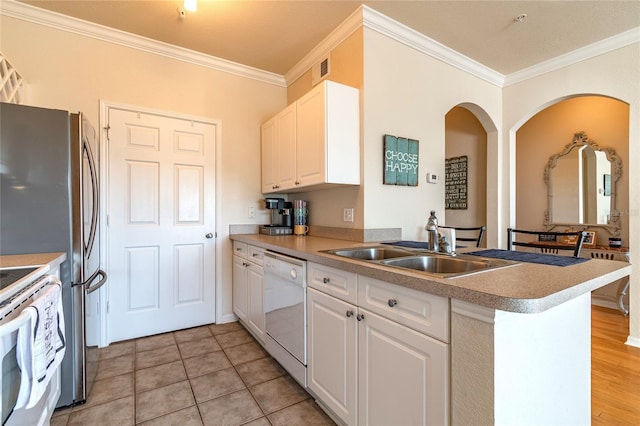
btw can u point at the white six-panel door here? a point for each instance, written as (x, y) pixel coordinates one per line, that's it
(161, 205)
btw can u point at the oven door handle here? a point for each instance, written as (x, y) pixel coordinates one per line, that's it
(14, 324)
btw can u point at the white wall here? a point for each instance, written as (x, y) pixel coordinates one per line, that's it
(407, 93)
(73, 72)
(615, 74)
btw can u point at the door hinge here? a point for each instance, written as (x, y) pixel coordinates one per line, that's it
(107, 306)
(107, 220)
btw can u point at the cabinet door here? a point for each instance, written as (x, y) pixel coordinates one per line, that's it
(269, 155)
(278, 151)
(331, 346)
(240, 288)
(255, 298)
(402, 375)
(310, 154)
(287, 148)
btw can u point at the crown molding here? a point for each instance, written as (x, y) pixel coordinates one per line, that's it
(367, 17)
(337, 36)
(58, 21)
(582, 54)
(405, 35)
(363, 16)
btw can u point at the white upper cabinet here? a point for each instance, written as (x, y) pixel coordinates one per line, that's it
(314, 142)
(279, 151)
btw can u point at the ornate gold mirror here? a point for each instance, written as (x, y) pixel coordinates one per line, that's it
(581, 186)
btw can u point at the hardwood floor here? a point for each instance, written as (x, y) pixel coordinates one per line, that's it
(615, 370)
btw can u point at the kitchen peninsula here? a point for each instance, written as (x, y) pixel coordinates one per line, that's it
(516, 340)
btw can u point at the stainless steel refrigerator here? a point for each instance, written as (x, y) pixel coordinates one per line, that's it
(49, 203)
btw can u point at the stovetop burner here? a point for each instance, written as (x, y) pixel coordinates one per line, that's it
(10, 276)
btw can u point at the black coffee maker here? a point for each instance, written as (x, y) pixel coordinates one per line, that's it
(281, 217)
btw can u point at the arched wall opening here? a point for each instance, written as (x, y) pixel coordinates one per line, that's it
(468, 132)
(605, 120)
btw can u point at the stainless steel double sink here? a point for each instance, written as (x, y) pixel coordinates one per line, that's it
(434, 264)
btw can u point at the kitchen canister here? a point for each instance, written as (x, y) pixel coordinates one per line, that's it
(300, 217)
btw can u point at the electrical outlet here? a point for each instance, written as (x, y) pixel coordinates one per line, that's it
(347, 215)
(251, 212)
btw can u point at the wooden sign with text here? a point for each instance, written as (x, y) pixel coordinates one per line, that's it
(400, 161)
(455, 183)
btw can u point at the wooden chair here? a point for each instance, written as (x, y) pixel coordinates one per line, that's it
(465, 233)
(550, 244)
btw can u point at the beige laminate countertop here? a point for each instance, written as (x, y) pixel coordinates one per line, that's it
(37, 259)
(523, 288)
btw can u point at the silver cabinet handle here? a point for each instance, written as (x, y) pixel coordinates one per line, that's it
(392, 303)
(360, 317)
(349, 314)
(209, 235)
(326, 280)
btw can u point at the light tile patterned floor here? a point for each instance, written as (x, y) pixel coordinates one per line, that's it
(209, 375)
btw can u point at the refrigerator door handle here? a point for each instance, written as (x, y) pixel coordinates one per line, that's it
(91, 288)
(94, 185)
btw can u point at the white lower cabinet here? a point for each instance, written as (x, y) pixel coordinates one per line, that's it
(255, 319)
(240, 291)
(332, 353)
(247, 290)
(370, 370)
(402, 375)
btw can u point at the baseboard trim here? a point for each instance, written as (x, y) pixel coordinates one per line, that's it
(633, 341)
(604, 303)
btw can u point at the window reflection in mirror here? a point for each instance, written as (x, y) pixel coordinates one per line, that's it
(578, 187)
(581, 183)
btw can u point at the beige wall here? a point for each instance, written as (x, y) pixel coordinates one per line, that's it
(408, 93)
(72, 72)
(326, 206)
(615, 74)
(464, 135)
(605, 121)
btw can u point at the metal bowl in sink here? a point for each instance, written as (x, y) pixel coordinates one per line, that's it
(371, 253)
(446, 266)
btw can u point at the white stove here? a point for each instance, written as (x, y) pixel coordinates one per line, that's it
(15, 283)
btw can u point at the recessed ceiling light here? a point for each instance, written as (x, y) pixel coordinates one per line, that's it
(520, 18)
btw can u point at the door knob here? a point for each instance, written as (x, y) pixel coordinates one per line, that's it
(209, 235)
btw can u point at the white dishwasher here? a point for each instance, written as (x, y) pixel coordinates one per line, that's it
(285, 311)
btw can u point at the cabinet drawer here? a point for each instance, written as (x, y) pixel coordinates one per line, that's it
(340, 284)
(255, 254)
(423, 312)
(240, 249)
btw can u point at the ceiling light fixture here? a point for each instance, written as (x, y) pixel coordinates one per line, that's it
(191, 5)
(519, 18)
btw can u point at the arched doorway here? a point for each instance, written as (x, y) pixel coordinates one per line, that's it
(606, 121)
(466, 147)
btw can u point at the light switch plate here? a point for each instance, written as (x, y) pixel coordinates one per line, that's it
(432, 177)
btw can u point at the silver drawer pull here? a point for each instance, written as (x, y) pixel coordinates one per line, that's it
(392, 303)
(326, 280)
(349, 314)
